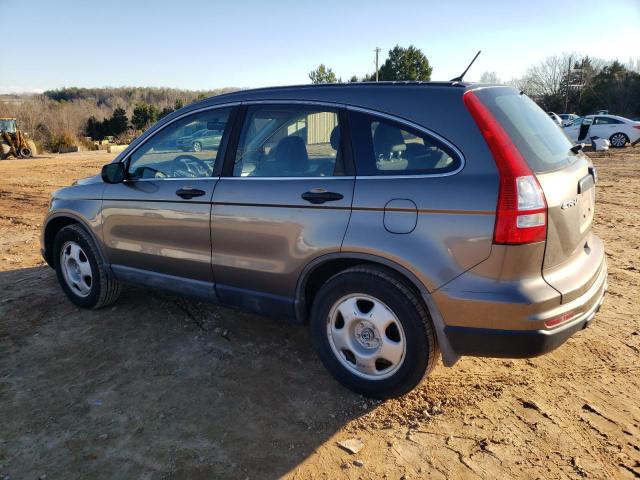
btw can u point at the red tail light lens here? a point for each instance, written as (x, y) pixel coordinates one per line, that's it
(521, 213)
(637, 126)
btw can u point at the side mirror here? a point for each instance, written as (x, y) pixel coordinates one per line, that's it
(113, 172)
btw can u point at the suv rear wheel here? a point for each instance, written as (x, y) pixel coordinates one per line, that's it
(372, 333)
(80, 270)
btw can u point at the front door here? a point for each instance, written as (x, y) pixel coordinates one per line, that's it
(156, 224)
(283, 200)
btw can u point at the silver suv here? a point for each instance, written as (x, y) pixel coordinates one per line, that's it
(400, 221)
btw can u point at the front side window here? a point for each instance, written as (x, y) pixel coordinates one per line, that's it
(384, 147)
(186, 148)
(289, 141)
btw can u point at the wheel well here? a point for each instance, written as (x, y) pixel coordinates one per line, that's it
(328, 269)
(53, 227)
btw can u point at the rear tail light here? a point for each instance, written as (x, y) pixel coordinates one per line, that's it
(637, 126)
(521, 213)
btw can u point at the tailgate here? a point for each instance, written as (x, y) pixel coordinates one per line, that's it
(573, 256)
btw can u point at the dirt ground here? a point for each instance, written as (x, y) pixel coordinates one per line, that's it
(160, 387)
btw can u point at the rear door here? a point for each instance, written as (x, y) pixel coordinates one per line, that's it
(573, 255)
(410, 205)
(158, 219)
(283, 200)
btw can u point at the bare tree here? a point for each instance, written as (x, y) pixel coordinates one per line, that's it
(546, 78)
(521, 83)
(490, 77)
(634, 64)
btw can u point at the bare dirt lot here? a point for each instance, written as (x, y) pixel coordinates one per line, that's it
(161, 387)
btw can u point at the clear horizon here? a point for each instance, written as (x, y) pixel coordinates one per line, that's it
(212, 45)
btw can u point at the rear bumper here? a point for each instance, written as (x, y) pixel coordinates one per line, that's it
(503, 343)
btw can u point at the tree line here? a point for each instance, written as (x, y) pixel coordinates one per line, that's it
(118, 124)
(567, 83)
(64, 117)
(402, 64)
(570, 83)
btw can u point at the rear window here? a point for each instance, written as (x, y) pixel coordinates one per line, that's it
(538, 138)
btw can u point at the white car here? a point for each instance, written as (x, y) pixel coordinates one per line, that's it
(618, 130)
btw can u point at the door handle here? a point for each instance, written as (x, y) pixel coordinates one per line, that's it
(318, 196)
(189, 192)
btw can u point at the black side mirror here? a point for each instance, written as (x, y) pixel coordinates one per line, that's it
(113, 172)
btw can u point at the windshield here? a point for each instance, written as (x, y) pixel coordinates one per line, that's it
(7, 125)
(538, 138)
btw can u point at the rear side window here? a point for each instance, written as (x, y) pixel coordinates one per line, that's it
(606, 121)
(538, 138)
(385, 147)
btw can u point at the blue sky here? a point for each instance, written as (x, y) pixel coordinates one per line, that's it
(210, 44)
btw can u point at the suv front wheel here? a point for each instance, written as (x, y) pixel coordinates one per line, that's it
(372, 332)
(82, 275)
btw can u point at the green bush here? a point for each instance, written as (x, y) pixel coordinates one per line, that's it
(61, 140)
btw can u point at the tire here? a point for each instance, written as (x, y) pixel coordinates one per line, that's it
(618, 140)
(410, 330)
(26, 152)
(196, 147)
(32, 146)
(103, 289)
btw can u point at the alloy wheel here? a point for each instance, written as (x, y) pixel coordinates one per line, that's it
(618, 140)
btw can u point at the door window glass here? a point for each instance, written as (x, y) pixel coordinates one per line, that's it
(187, 148)
(384, 147)
(285, 141)
(606, 121)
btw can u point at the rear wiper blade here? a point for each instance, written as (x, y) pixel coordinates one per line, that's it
(577, 148)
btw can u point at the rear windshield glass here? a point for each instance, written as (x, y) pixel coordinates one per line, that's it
(539, 139)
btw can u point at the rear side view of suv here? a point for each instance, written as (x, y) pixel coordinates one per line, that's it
(401, 222)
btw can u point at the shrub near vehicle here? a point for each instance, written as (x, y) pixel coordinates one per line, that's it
(401, 221)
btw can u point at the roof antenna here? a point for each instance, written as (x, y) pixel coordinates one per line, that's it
(459, 79)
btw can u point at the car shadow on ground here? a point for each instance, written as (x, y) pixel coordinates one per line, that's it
(156, 386)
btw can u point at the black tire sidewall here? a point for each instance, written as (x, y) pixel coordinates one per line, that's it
(417, 353)
(71, 234)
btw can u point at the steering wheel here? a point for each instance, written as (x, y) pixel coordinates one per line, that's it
(194, 165)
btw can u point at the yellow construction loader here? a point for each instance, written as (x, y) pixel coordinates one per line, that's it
(13, 141)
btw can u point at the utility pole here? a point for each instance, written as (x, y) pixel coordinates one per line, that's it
(566, 95)
(377, 52)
